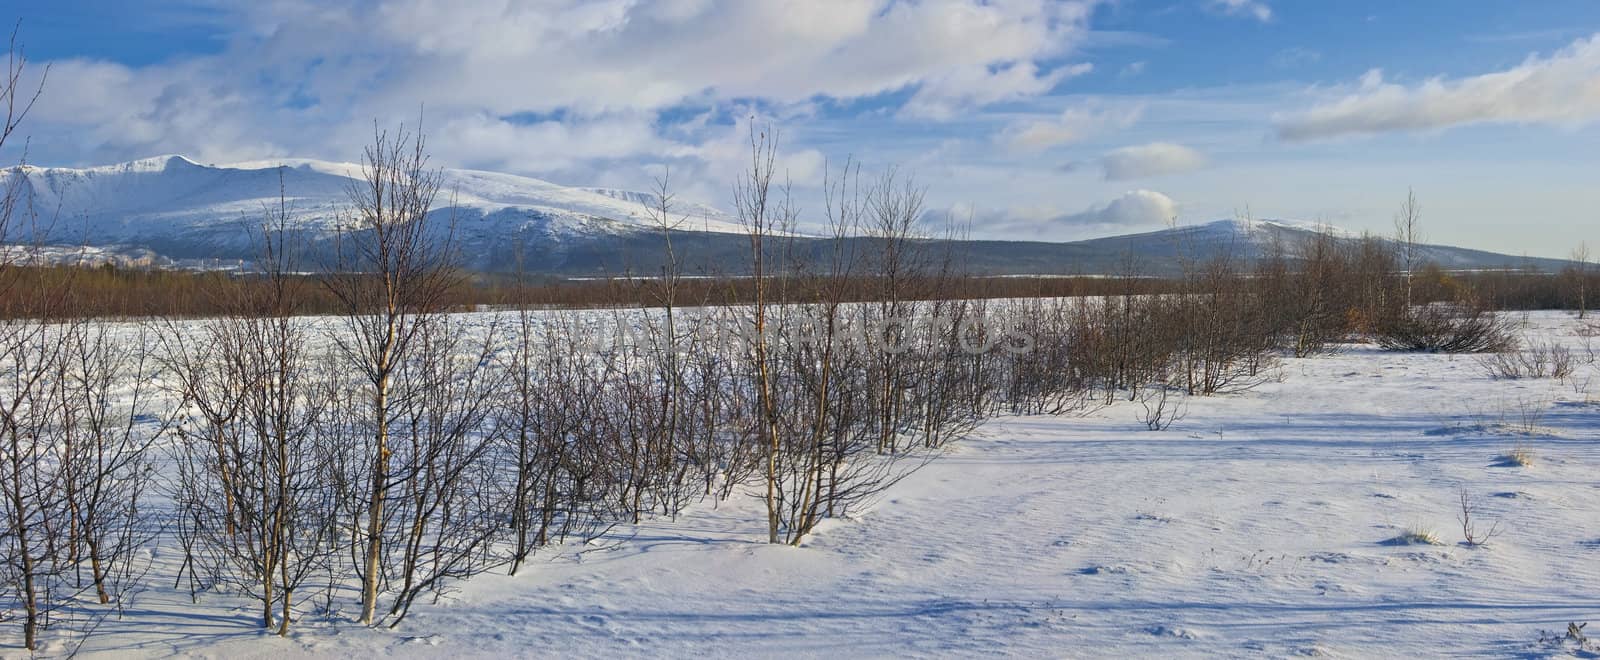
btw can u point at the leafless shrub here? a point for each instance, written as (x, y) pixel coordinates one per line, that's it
(110, 427)
(1573, 635)
(1470, 531)
(253, 489)
(1160, 412)
(549, 444)
(31, 480)
(1591, 352)
(1580, 386)
(1538, 359)
(844, 398)
(73, 466)
(443, 508)
(1529, 419)
(1224, 333)
(1447, 328)
(1306, 292)
(1050, 377)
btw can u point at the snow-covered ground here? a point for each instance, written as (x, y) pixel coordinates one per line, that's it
(1257, 525)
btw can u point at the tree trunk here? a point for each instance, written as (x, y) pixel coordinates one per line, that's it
(380, 477)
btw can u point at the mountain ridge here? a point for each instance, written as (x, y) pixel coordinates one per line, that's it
(171, 211)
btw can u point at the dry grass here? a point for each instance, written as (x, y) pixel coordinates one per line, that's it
(1518, 456)
(1415, 535)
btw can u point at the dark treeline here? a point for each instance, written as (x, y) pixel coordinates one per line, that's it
(106, 291)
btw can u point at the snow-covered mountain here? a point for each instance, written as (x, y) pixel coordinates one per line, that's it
(184, 210)
(173, 211)
(1254, 239)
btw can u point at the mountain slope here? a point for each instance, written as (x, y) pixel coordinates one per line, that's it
(1257, 239)
(185, 210)
(173, 211)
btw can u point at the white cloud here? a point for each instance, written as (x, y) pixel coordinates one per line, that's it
(117, 112)
(1072, 125)
(726, 155)
(1253, 8)
(563, 87)
(1133, 209)
(1562, 89)
(947, 96)
(1153, 159)
(545, 146)
(596, 56)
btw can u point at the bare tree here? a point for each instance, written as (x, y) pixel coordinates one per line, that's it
(392, 271)
(897, 262)
(253, 483)
(766, 216)
(104, 453)
(72, 451)
(1408, 234)
(1578, 273)
(443, 510)
(33, 398)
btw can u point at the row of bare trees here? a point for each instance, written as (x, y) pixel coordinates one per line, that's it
(74, 467)
(361, 454)
(74, 459)
(389, 451)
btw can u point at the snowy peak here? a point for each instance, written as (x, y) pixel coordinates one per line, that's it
(1256, 229)
(174, 204)
(162, 164)
(141, 166)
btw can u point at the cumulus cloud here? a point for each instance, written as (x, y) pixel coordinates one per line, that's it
(600, 54)
(1561, 89)
(1252, 8)
(563, 88)
(945, 97)
(545, 146)
(1072, 125)
(1153, 159)
(725, 155)
(115, 112)
(1134, 210)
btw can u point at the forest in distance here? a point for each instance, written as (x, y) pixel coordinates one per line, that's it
(109, 291)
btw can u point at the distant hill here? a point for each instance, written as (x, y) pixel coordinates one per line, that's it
(171, 211)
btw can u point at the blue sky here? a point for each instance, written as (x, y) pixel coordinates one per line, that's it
(1032, 118)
